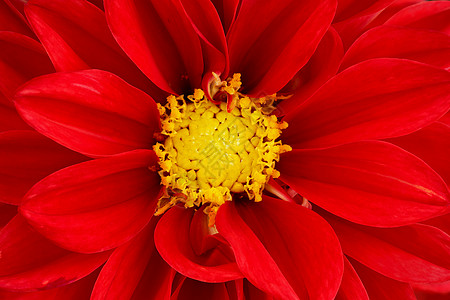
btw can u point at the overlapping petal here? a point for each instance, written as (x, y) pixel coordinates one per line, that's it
(270, 54)
(351, 286)
(347, 9)
(387, 41)
(92, 112)
(12, 20)
(431, 144)
(27, 157)
(288, 250)
(76, 37)
(177, 248)
(164, 44)
(123, 271)
(29, 262)
(432, 15)
(373, 183)
(378, 98)
(96, 205)
(382, 287)
(414, 253)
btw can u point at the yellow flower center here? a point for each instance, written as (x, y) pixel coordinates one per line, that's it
(212, 151)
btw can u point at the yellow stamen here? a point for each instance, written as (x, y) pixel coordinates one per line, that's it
(211, 153)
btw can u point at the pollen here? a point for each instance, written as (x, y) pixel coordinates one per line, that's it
(211, 153)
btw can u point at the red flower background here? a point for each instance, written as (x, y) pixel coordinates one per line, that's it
(368, 123)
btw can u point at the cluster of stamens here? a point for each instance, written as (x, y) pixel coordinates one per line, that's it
(212, 151)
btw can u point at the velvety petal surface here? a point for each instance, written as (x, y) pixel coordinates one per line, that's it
(432, 144)
(323, 65)
(164, 44)
(21, 58)
(373, 183)
(172, 238)
(93, 112)
(287, 33)
(76, 37)
(432, 15)
(351, 286)
(29, 262)
(347, 9)
(288, 250)
(388, 41)
(96, 205)
(379, 287)
(378, 98)
(10, 20)
(77, 290)
(414, 253)
(25, 158)
(123, 270)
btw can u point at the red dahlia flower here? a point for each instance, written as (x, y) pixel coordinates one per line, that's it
(144, 152)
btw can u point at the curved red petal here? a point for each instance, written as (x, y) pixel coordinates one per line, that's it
(351, 287)
(433, 15)
(284, 249)
(76, 37)
(227, 10)
(360, 104)
(414, 253)
(122, 272)
(27, 157)
(347, 9)
(164, 44)
(388, 41)
(21, 58)
(372, 183)
(172, 239)
(92, 112)
(270, 54)
(31, 263)
(381, 287)
(323, 65)
(96, 205)
(77, 290)
(431, 144)
(207, 24)
(12, 20)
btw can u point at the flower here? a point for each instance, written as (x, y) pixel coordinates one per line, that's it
(360, 207)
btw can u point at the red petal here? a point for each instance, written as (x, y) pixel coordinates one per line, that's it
(172, 240)
(356, 8)
(80, 289)
(432, 291)
(7, 212)
(425, 15)
(351, 287)
(431, 144)
(207, 24)
(92, 112)
(227, 10)
(11, 20)
(201, 290)
(360, 104)
(287, 33)
(21, 58)
(164, 45)
(322, 66)
(9, 118)
(30, 262)
(441, 222)
(123, 270)
(96, 205)
(387, 41)
(372, 183)
(282, 248)
(381, 287)
(25, 158)
(414, 253)
(153, 287)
